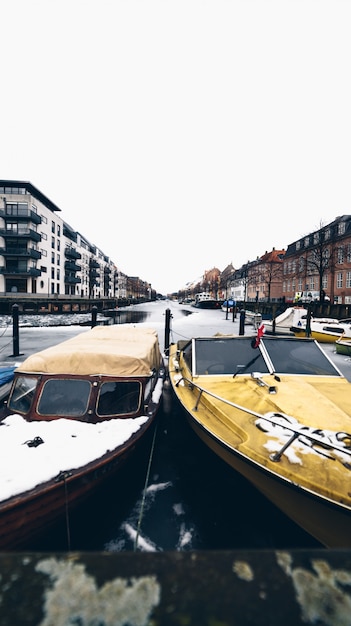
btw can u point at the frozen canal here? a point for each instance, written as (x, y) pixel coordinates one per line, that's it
(176, 495)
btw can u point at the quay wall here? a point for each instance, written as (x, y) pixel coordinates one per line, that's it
(31, 305)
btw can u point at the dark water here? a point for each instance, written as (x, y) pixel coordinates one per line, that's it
(174, 495)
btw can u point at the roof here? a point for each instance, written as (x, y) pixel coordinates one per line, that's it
(120, 350)
(34, 191)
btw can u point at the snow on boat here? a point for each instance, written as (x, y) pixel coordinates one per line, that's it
(75, 413)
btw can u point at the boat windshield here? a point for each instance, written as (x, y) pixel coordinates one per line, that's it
(229, 355)
(22, 393)
(235, 355)
(119, 398)
(64, 396)
(294, 356)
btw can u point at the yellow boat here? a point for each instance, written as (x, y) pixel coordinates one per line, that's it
(323, 329)
(278, 411)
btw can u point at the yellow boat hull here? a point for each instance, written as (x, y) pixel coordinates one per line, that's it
(310, 484)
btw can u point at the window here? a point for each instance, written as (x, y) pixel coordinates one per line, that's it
(341, 228)
(118, 398)
(22, 394)
(348, 279)
(53, 242)
(64, 397)
(340, 255)
(52, 226)
(339, 280)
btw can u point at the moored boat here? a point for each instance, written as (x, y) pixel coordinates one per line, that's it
(205, 300)
(282, 323)
(323, 329)
(75, 413)
(253, 318)
(343, 345)
(278, 411)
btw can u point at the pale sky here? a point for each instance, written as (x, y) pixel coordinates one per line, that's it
(180, 135)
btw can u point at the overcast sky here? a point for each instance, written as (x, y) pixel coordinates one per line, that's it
(180, 135)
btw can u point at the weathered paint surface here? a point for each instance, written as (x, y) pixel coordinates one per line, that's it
(177, 588)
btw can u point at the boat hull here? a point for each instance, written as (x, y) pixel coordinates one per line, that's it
(326, 522)
(24, 517)
(343, 346)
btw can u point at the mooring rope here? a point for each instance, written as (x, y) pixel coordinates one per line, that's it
(67, 517)
(144, 490)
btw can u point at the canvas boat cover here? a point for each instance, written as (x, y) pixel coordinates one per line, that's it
(119, 350)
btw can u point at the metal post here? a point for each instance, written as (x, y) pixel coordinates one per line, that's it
(242, 322)
(93, 316)
(15, 331)
(167, 330)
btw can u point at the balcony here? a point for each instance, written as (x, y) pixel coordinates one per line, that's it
(26, 233)
(20, 215)
(31, 253)
(72, 267)
(72, 280)
(94, 264)
(20, 271)
(93, 274)
(71, 253)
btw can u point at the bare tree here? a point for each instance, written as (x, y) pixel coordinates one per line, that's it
(319, 258)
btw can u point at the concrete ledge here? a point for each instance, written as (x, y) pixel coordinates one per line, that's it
(193, 588)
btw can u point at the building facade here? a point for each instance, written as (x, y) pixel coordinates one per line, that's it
(321, 262)
(41, 254)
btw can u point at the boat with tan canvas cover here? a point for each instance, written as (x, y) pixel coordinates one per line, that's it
(75, 413)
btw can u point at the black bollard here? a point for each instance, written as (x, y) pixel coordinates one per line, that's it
(167, 330)
(242, 322)
(15, 331)
(93, 316)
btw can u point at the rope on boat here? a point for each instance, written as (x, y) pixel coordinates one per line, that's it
(67, 517)
(63, 477)
(145, 488)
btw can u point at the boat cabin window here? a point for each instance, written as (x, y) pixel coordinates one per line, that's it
(22, 394)
(227, 356)
(62, 396)
(119, 398)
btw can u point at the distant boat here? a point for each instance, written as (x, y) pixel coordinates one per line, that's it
(204, 300)
(75, 413)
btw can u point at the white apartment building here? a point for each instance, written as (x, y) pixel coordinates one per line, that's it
(42, 254)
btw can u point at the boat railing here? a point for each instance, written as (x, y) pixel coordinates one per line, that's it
(326, 439)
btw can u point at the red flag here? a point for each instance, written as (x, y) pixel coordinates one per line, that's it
(260, 333)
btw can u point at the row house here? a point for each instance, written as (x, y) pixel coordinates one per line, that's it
(42, 254)
(320, 261)
(317, 262)
(259, 280)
